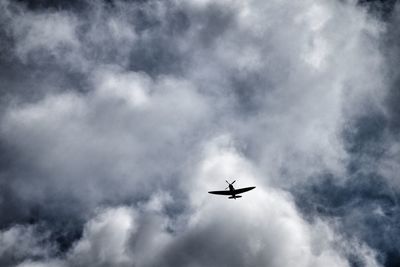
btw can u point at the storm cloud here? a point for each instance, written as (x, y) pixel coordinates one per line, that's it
(117, 117)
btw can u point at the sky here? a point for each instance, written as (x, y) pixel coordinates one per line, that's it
(117, 117)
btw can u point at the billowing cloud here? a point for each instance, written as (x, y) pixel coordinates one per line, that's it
(117, 117)
(265, 230)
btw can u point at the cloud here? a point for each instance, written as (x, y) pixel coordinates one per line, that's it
(117, 118)
(21, 242)
(264, 230)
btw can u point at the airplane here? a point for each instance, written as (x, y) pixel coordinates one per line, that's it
(232, 191)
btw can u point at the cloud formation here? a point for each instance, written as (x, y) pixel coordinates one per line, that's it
(265, 230)
(117, 117)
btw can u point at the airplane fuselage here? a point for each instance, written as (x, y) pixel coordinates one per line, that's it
(233, 194)
(232, 191)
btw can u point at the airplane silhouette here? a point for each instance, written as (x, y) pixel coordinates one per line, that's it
(232, 191)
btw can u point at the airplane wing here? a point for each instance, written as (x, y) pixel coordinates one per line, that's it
(242, 190)
(220, 192)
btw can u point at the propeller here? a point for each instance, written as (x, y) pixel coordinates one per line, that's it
(229, 183)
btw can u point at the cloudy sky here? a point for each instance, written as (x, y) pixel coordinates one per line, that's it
(117, 117)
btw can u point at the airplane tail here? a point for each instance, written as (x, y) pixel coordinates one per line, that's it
(234, 197)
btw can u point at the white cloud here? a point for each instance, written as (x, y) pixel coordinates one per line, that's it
(105, 239)
(20, 242)
(263, 228)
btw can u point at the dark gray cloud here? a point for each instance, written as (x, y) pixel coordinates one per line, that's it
(118, 116)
